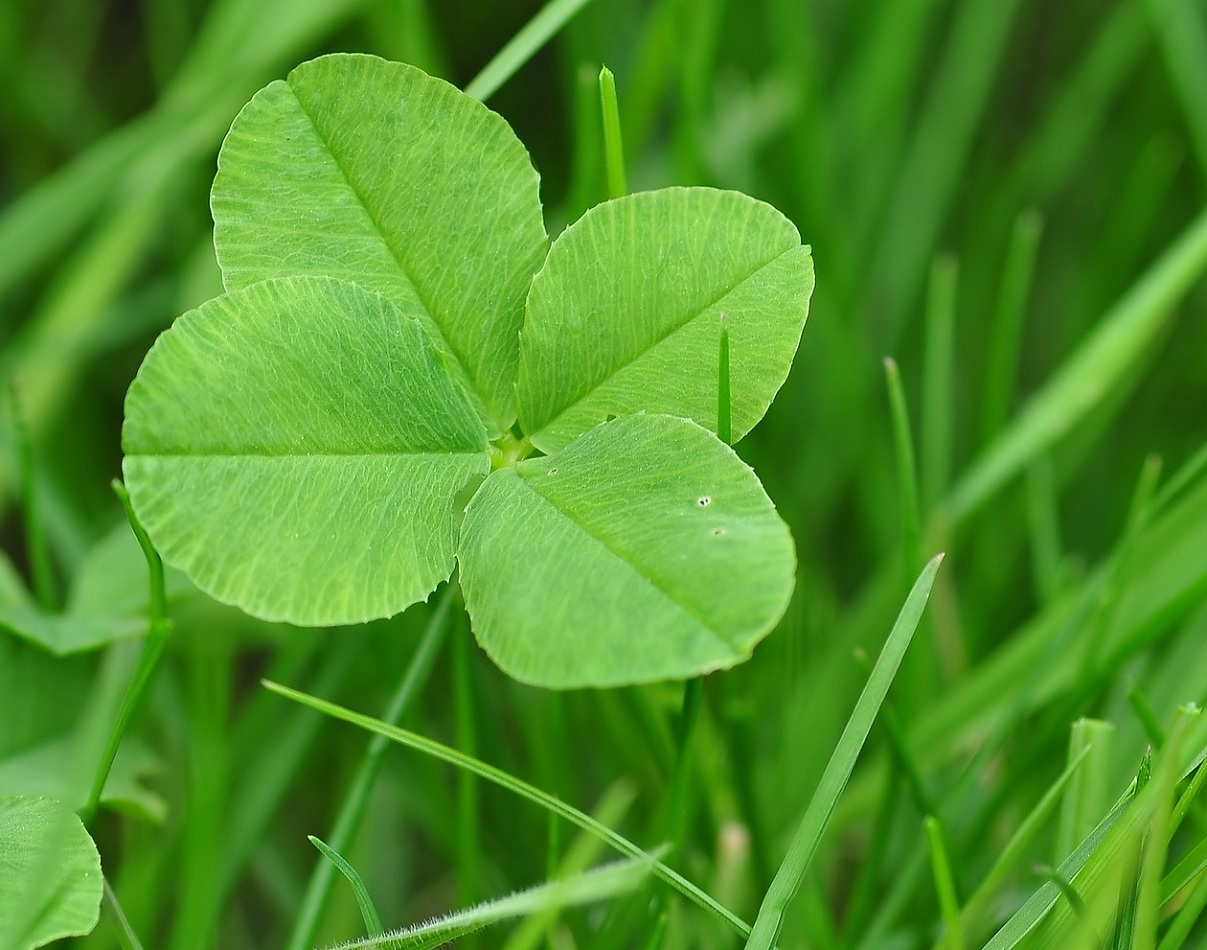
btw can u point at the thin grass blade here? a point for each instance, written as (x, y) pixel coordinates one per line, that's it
(535, 34)
(519, 787)
(817, 816)
(1100, 364)
(363, 900)
(600, 884)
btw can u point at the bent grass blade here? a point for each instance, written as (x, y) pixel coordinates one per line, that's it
(519, 787)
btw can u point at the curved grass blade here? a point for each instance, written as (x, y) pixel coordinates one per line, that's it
(817, 816)
(367, 911)
(519, 787)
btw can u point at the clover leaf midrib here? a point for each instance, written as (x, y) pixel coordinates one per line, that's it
(395, 253)
(632, 565)
(676, 328)
(291, 454)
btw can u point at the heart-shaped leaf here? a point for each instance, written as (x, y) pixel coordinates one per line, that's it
(644, 550)
(375, 172)
(625, 314)
(311, 475)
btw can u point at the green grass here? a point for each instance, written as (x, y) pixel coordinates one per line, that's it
(1007, 208)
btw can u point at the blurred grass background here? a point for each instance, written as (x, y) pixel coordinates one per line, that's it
(1005, 196)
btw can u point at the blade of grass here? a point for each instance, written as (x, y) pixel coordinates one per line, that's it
(1188, 915)
(367, 911)
(1182, 35)
(1009, 315)
(817, 816)
(938, 419)
(535, 34)
(1086, 799)
(907, 482)
(724, 404)
(1119, 340)
(1083, 103)
(1147, 717)
(1043, 524)
(1156, 845)
(945, 885)
(466, 736)
(37, 551)
(1098, 862)
(356, 798)
(123, 933)
(613, 143)
(516, 786)
(586, 156)
(1182, 809)
(977, 905)
(592, 886)
(934, 162)
(584, 851)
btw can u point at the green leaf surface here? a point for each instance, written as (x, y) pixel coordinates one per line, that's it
(107, 602)
(50, 874)
(375, 172)
(58, 769)
(295, 448)
(645, 550)
(625, 314)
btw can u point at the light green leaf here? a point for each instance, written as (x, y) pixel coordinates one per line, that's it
(108, 599)
(64, 632)
(295, 448)
(58, 769)
(50, 874)
(645, 550)
(375, 172)
(625, 314)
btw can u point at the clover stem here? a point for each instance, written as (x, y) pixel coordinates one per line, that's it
(507, 450)
(157, 637)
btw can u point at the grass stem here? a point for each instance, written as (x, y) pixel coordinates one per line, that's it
(157, 637)
(36, 548)
(356, 798)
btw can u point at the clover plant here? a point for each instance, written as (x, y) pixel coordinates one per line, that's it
(404, 376)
